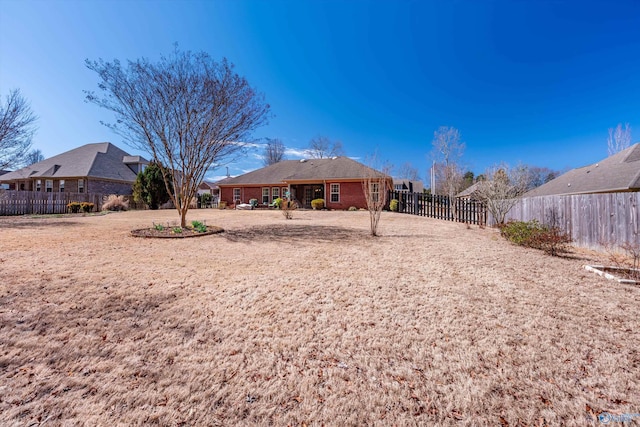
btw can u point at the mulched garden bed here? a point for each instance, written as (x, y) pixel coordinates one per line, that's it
(619, 274)
(171, 232)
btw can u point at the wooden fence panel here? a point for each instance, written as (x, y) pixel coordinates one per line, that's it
(592, 220)
(42, 203)
(437, 206)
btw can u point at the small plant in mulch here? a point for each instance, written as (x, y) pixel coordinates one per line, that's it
(196, 228)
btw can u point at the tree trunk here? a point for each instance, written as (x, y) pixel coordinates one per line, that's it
(183, 215)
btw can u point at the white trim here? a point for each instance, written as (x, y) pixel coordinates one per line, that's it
(331, 192)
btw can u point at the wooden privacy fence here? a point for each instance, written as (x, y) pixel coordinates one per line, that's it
(437, 206)
(592, 220)
(41, 203)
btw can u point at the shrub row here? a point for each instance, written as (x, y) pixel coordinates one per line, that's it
(317, 204)
(532, 234)
(75, 207)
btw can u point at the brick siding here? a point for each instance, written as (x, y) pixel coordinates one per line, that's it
(351, 194)
(107, 187)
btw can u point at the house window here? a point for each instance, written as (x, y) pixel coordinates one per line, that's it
(335, 193)
(81, 186)
(275, 193)
(285, 192)
(397, 187)
(375, 191)
(48, 184)
(265, 195)
(38, 185)
(236, 195)
(62, 185)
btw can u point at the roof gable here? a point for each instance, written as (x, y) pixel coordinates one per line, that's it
(98, 160)
(335, 168)
(620, 172)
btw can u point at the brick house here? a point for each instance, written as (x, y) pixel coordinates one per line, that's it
(92, 168)
(337, 180)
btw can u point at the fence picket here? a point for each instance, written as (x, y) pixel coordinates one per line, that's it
(42, 203)
(593, 220)
(438, 206)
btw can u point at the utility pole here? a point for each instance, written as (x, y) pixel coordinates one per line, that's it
(433, 178)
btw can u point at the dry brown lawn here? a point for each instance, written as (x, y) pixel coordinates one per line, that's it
(305, 322)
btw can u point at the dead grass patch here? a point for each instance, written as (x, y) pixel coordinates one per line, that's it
(294, 233)
(314, 324)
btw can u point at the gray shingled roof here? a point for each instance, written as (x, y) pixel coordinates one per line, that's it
(620, 172)
(304, 170)
(469, 191)
(99, 160)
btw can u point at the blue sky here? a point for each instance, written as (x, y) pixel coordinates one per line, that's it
(536, 82)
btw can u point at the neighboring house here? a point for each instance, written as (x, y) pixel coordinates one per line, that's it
(207, 187)
(618, 173)
(92, 168)
(407, 186)
(4, 186)
(337, 180)
(470, 193)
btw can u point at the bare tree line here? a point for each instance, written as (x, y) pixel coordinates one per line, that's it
(17, 127)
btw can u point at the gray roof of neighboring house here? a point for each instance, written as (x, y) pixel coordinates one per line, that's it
(208, 185)
(468, 192)
(134, 160)
(335, 168)
(620, 172)
(99, 160)
(416, 186)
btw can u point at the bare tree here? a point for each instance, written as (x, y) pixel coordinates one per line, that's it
(186, 110)
(501, 189)
(540, 175)
(619, 138)
(273, 152)
(407, 171)
(375, 187)
(17, 126)
(447, 153)
(33, 157)
(322, 147)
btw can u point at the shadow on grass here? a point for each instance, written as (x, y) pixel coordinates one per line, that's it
(295, 232)
(571, 256)
(24, 223)
(413, 236)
